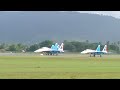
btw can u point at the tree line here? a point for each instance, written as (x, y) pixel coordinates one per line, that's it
(70, 46)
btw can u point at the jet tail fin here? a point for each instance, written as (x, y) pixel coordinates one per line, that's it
(52, 47)
(55, 47)
(61, 46)
(98, 48)
(105, 49)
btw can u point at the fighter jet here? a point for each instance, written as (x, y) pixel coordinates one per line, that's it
(95, 52)
(54, 50)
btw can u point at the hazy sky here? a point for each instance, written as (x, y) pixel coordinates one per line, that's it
(115, 14)
(32, 26)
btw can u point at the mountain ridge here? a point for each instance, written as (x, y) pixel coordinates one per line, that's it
(33, 27)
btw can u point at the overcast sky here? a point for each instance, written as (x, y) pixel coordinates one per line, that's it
(115, 14)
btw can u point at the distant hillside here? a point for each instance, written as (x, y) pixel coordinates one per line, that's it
(29, 27)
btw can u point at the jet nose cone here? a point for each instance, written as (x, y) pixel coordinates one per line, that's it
(83, 52)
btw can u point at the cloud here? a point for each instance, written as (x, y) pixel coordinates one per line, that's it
(10, 11)
(115, 14)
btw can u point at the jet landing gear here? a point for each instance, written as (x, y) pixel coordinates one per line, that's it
(90, 55)
(100, 55)
(95, 55)
(56, 54)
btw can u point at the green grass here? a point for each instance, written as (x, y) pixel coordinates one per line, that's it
(59, 67)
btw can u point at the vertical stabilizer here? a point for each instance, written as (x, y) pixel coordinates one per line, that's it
(61, 46)
(52, 47)
(105, 49)
(56, 46)
(98, 48)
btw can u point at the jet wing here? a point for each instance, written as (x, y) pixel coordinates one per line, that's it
(44, 49)
(87, 51)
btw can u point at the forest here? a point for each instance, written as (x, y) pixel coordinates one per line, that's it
(69, 46)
